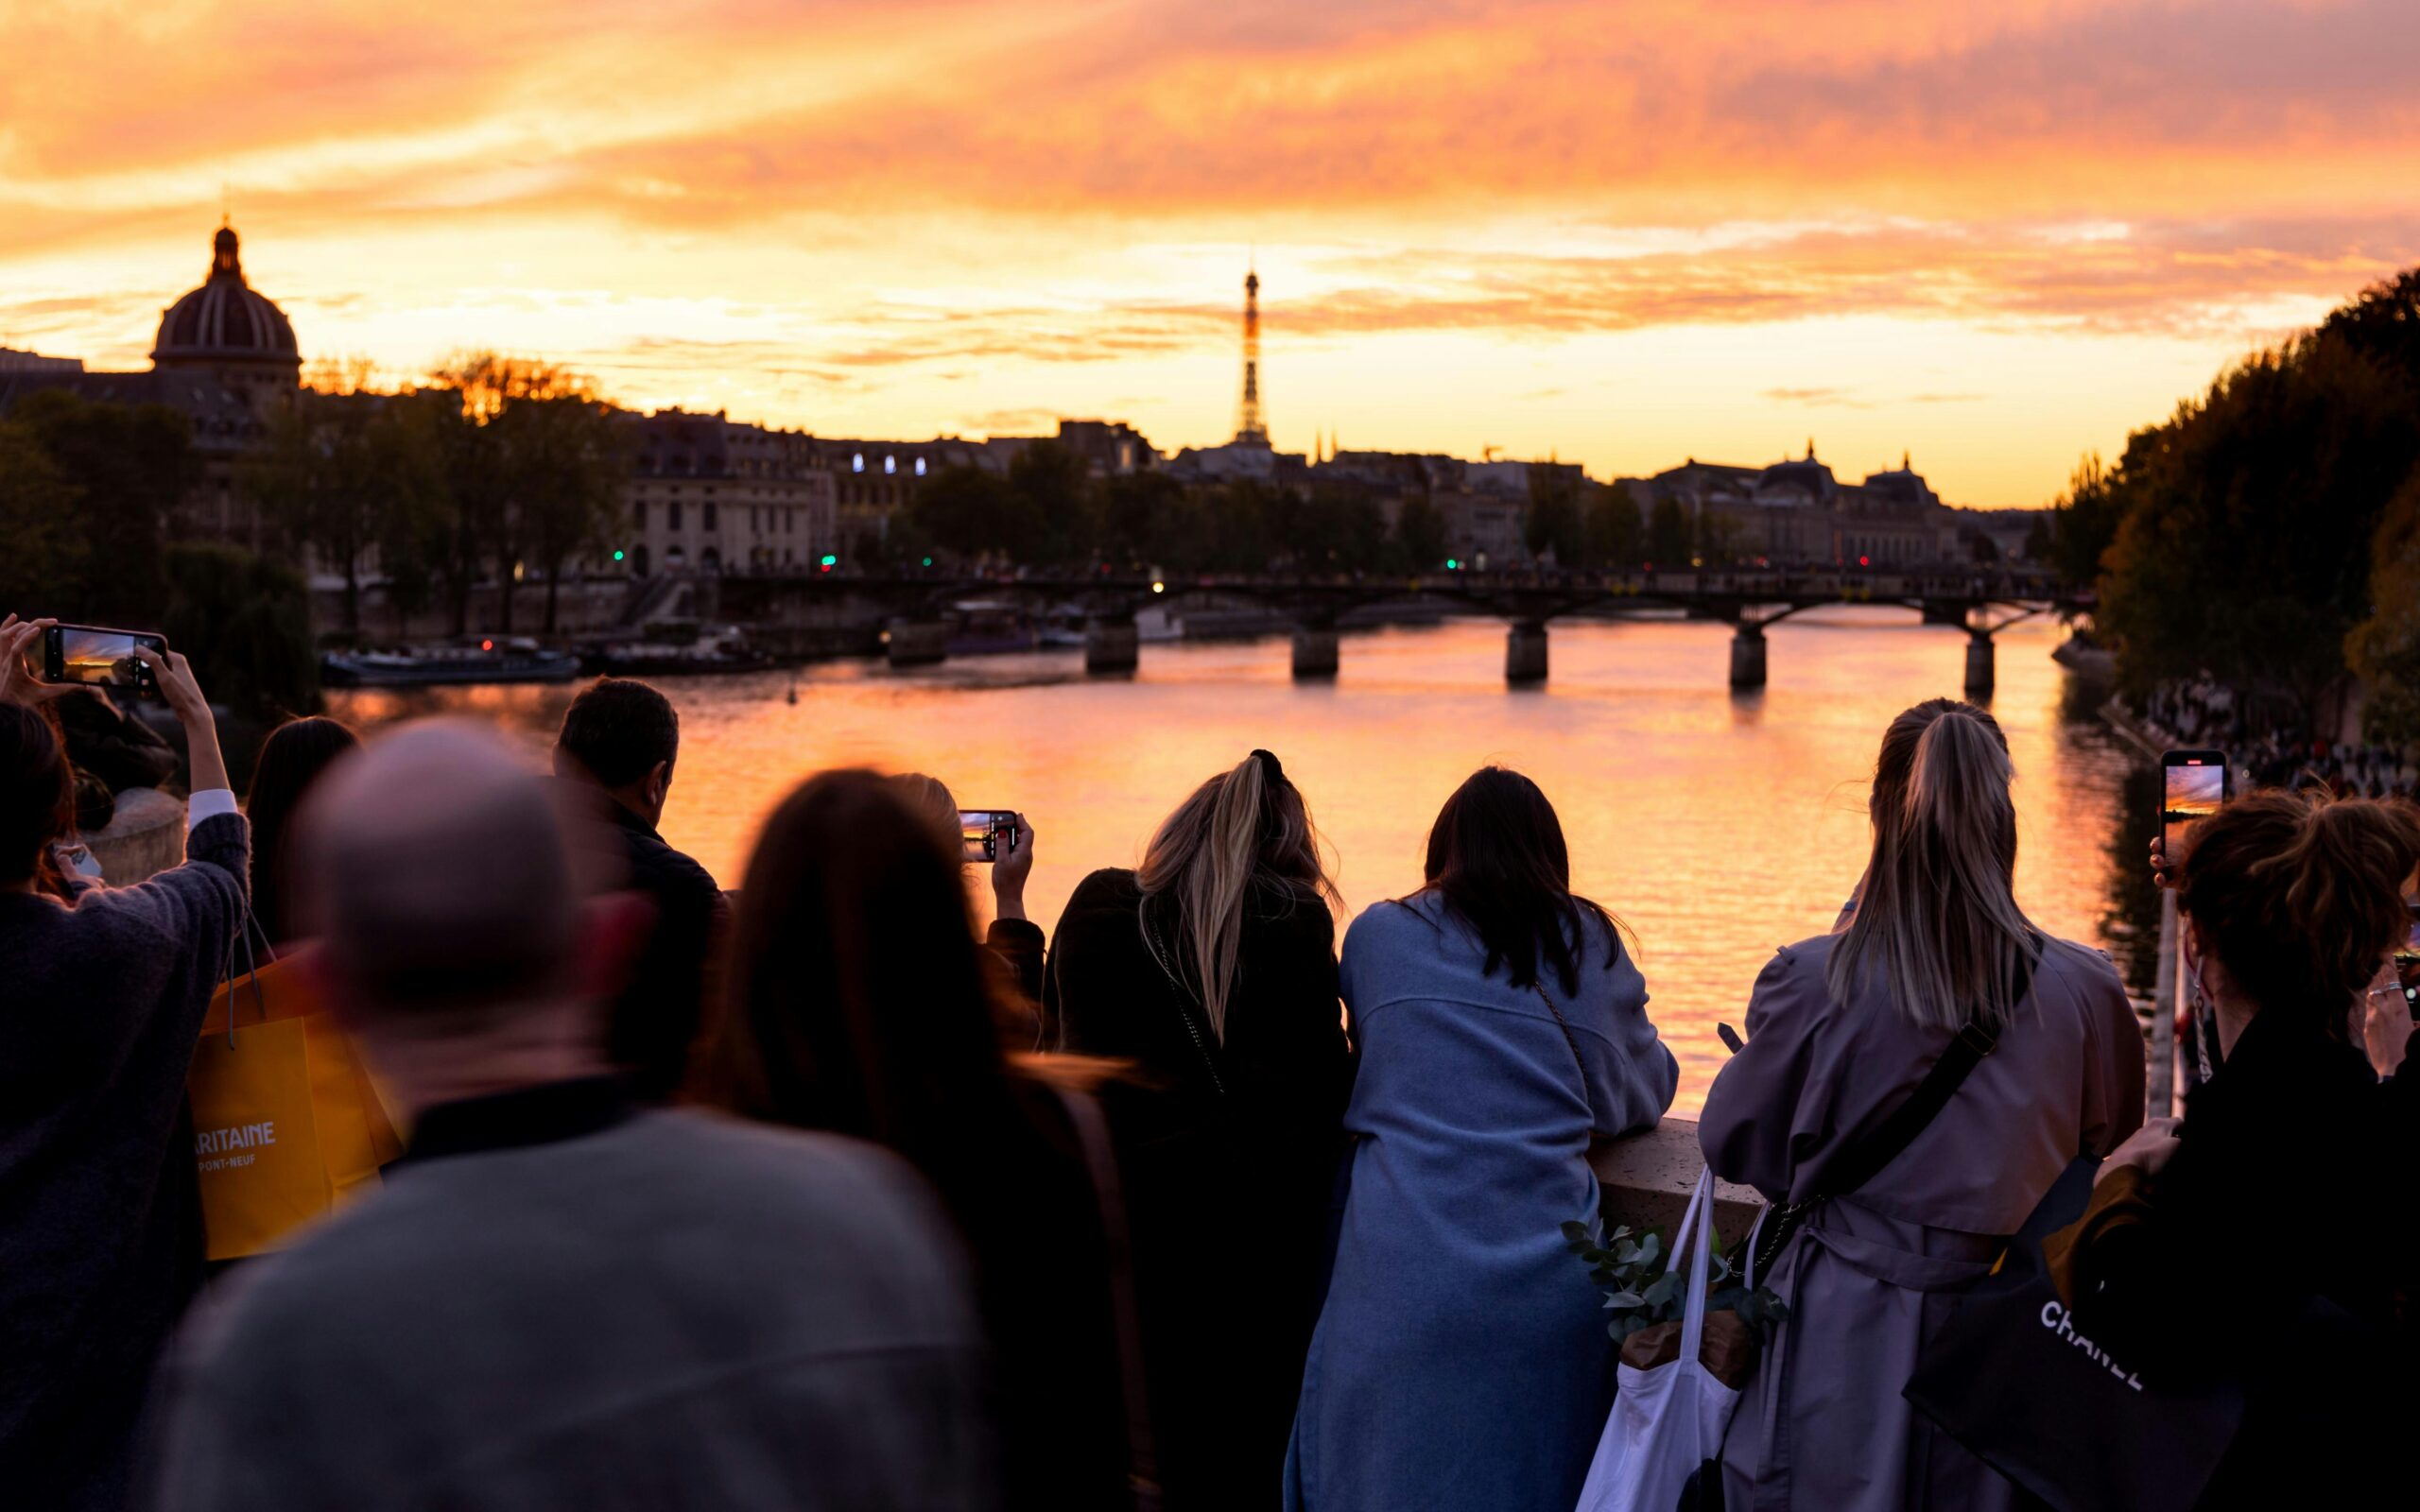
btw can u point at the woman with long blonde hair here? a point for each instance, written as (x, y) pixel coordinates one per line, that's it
(1934, 959)
(1210, 969)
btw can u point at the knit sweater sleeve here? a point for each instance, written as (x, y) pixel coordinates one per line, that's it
(197, 907)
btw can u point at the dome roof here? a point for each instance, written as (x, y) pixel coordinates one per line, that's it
(225, 318)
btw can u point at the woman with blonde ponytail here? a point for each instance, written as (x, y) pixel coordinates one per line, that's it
(1210, 969)
(1843, 1029)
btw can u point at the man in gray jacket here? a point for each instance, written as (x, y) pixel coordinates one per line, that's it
(558, 1300)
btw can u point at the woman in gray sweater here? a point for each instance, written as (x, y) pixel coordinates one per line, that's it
(100, 1223)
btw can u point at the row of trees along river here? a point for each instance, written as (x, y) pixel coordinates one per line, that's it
(2269, 530)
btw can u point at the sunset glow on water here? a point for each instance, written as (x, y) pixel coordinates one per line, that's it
(1718, 826)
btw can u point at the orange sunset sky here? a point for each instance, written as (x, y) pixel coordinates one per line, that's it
(1995, 236)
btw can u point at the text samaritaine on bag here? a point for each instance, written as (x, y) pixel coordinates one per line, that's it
(239, 1137)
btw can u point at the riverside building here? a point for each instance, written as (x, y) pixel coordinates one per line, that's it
(709, 493)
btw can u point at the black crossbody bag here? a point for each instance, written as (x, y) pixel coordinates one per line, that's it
(1866, 1158)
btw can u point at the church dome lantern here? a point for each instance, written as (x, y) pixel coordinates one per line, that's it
(227, 324)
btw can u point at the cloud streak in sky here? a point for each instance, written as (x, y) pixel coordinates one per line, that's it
(829, 197)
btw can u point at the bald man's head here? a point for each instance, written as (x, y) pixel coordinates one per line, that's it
(439, 876)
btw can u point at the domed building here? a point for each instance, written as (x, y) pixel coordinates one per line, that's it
(230, 329)
(225, 356)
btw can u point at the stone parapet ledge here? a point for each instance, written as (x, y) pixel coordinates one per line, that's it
(1648, 1179)
(146, 835)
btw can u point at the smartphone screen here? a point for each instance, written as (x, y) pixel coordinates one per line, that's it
(988, 834)
(2192, 784)
(85, 653)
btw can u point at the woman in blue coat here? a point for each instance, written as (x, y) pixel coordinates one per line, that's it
(1461, 1363)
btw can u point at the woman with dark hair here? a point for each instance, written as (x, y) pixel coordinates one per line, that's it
(1843, 1029)
(2293, 908)
(1210, 969)
(101, 1246)
(292, 758)
(858, 1002)
(1461, 1363)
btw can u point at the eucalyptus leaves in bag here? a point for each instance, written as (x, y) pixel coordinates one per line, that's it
(1642, 1289)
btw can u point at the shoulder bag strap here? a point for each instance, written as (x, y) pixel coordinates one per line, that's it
(1866, 1157)
(1100, 1162)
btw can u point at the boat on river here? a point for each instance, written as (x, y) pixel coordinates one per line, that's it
(488, 659)
(714, 650)
(981, 627)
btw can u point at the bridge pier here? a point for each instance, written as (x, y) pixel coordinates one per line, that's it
(1747, 657)
(1525, 652)
(1111, 644)
(1315, 652)
(916, 642)
(1981, 669)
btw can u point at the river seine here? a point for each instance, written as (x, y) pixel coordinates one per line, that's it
(1718, 826)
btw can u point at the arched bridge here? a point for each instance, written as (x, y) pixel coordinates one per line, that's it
(1749, 599)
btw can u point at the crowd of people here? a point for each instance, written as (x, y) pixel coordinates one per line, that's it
(807, 1195)
(2278, 749)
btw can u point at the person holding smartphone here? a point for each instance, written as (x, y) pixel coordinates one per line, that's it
(2293, 907)
(107, 990)
(1015, 941)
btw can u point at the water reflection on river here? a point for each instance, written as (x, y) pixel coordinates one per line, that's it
(1718, 826)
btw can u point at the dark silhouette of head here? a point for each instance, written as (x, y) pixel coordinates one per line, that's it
(1496, 857)
(291, 759)
(441, 882)
(623, 736)
(2300, 899)
(36, 795)
(857, 1000)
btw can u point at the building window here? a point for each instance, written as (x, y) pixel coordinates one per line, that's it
(638, 514)
(672, 515)
(638, 561)
(754, 526)
(709, 523)
(919, 467)
(858, 462)
(890, 464)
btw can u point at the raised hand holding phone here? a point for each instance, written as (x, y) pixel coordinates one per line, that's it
(173, 675)
(1011, 870)
(21, 641)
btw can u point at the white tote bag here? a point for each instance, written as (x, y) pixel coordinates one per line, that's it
(1669, 1420)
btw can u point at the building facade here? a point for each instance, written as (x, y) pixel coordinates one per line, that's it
(1796, 512)
(710, 494)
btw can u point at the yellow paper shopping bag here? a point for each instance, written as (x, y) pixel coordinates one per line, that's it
(256, 1144)
(352, 1135)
